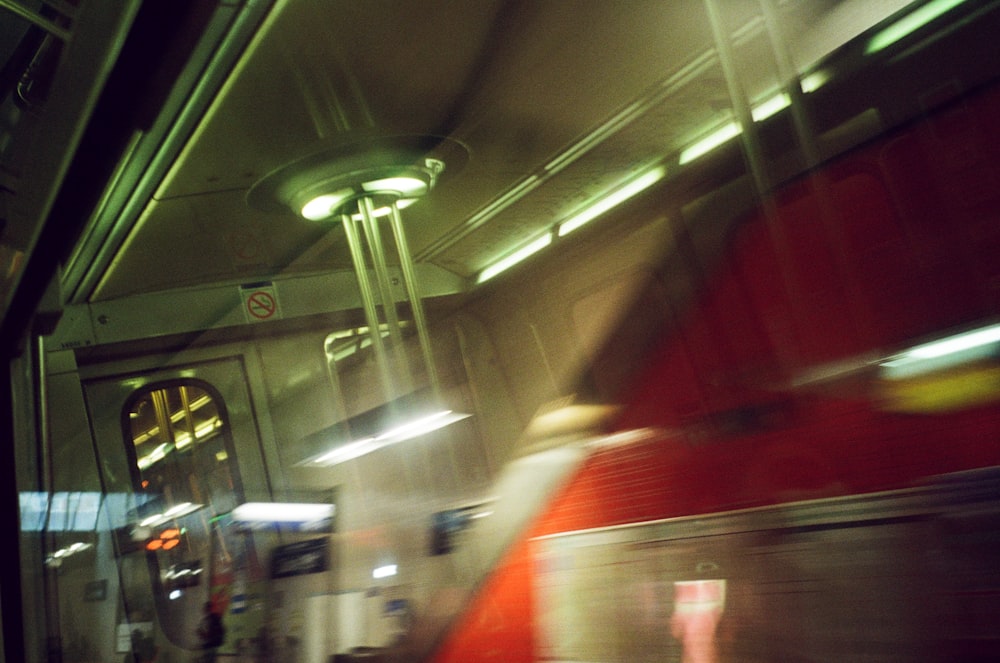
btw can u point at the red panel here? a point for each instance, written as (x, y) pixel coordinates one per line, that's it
(498, 624)
(896, 242)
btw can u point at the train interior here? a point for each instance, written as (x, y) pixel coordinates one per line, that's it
(500, 330)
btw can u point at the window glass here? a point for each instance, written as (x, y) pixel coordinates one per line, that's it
(180, 438)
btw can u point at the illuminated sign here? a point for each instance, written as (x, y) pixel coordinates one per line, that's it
(167, 539)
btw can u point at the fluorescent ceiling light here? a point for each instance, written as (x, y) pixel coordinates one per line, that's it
(408, 430)
(386, 571)
(155, 456)
(945, 353)
(322, 207)
(281, 512)
(385, 210)
(814, 81)
(172, 513)
(405, 187)
(509, 261)
(421, 426)
(772, 106)
(909, 24)
(345, 452)
(615, 198)
(710, 142)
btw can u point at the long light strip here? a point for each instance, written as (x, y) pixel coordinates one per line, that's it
(727, 132)
(909, 24)
(405, 431)
(281, 512)
(617, 197)
(945, 353)
(512, 259)
(718, 137)
(421, 426)
(176, 511)
(771, 106)
(814, 81)
(386, 571)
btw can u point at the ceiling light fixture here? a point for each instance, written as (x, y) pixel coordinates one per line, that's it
(357, 181)
(613, 199)
(520, 255)
(296, 516)
(771, 106)
(406, 430)
(173, 513)
(405, 418)
(331, 181)
(909, 24)
(713, 140)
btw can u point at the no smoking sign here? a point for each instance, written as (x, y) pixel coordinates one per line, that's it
(260, 302)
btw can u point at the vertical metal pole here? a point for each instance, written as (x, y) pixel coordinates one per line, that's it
(790, 77)
(741, 106)
(368, 304)
(413, 294)
(755, 162)
(370, 226)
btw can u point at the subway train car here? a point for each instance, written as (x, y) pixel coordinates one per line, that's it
(500, 330)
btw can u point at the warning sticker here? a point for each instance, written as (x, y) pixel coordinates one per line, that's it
(260, 302)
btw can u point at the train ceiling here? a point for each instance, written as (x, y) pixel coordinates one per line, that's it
(539, 109)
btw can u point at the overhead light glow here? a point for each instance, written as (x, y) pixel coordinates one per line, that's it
(322, 207)
(405, 187)
(421, 426)
(155, 456)
(345, 452)
(386, 571)
(772, 106)
(945, 353)
(172, 513)
(406, 431)
(385, 210)
(520, 255)
(814, 81)
(909, 24)
(612, 200)
(710, 142)
(281, 512)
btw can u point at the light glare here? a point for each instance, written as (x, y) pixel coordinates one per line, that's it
(321, 207)
(386, 571)
(814, 81)
(772, 106)
(910, 23)
(406, 187)
(945, 353)
(282, 512)
(612, 200)
(710, 142)
(509, 261)
(405, 431)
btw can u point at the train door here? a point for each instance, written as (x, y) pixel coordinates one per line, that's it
(185, 443)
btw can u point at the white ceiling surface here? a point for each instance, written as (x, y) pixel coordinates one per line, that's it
(518, 84)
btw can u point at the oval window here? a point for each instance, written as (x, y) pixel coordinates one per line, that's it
(183, 465)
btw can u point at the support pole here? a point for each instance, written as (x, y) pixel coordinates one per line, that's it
(368, 305)
(413, 294)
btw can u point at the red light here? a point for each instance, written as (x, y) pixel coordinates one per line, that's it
(167, 545)
(155, 544)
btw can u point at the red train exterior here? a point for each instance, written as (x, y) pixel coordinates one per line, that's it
(889, 245)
